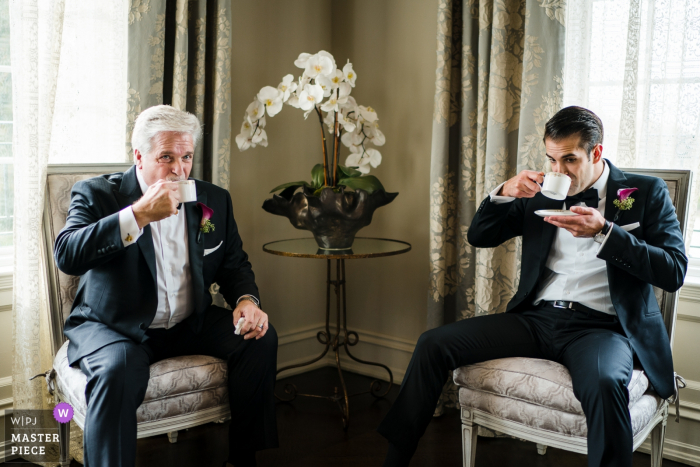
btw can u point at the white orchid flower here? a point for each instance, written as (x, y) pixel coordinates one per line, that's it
(243, 141)
(293, 101)
(378, 138)
(331, 105)
(326, 84)
(355, 159)
(350, 109)
(287, 87)
(255, 111)
(310, 96)
(374, 156)
(368, 113)
(348, 125)
(337, 78)
(352, 139)
(271, 98)
(350, 75)
(301, 61)
(319, 65)
(323, 53)
(260, 137)
(246, 129)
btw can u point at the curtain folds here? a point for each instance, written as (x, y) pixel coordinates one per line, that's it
(180, 54)
(499, 79)
(36, 28)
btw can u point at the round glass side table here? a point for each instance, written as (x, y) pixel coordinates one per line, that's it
(341, 337)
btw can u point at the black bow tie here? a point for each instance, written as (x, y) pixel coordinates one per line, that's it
(589, 197)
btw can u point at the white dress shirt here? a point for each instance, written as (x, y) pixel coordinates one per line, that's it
(173, 276)
(574, 273)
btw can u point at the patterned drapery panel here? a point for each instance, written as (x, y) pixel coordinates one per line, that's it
(180, 54)
(499, 79)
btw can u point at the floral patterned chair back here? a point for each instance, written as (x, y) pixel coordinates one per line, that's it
(59, 183)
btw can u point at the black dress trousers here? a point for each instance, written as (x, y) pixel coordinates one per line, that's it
(591, 345)
(118, 377)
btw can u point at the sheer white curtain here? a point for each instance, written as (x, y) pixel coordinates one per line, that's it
(636, 63)
(68, 93)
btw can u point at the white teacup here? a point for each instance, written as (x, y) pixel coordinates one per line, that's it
(556, 185)
(187, 190)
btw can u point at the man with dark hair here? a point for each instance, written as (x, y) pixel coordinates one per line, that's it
(585, 297)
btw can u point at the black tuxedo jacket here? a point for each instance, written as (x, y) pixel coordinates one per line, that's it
(117, 297)
(653, 254)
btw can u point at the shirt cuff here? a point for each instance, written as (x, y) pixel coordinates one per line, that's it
(495, 199)
(128, 228)
(607, 235)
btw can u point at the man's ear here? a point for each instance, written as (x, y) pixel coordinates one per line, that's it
(597, 153)
(138, 159)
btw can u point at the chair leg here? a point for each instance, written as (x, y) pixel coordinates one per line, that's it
(541, 449)
(657, 441)
(469, 431)
(172, 436)
(64, 444)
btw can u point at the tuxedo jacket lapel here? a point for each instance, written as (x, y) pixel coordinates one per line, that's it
(196, 249)
(130, 192)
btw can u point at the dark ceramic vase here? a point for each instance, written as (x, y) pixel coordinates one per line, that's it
(333, 217)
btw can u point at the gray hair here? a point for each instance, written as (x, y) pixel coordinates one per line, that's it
(161, 118)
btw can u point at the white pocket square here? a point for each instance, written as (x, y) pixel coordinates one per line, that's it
(629, 227)
(212, 250)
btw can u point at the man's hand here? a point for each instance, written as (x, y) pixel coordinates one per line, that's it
(523, 185)
(255, 324)
(588, 223)
(159, 201)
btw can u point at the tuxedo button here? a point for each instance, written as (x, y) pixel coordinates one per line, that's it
(143, 326)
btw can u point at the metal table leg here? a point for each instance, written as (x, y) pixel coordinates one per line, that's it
(342, 338)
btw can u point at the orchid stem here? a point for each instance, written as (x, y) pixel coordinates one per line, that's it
(325, 151)
(335, 150)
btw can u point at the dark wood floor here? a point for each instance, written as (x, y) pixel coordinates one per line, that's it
(311, 435)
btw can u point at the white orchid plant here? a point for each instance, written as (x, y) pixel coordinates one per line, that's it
(354, 125)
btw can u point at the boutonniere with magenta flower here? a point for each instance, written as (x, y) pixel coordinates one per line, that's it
(205, 225)
(624, 201)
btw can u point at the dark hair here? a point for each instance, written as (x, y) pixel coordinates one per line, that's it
(575, 121)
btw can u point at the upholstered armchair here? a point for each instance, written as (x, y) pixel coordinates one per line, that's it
(533, 399)
(182, 392)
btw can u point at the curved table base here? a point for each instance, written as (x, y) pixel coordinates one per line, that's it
(342, 339)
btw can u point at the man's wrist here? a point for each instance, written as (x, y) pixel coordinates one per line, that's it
(250, 298)
(140, 216)
(601, 236)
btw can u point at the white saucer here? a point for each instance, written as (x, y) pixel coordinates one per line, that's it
(555, 212)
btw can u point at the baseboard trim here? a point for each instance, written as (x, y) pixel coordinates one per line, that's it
(676, 451)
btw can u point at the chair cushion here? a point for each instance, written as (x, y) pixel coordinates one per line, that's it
(546, 418)
(537, 381)
(538, 393)
(177, 386)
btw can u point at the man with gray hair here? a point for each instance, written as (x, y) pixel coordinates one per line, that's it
(147, 260)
